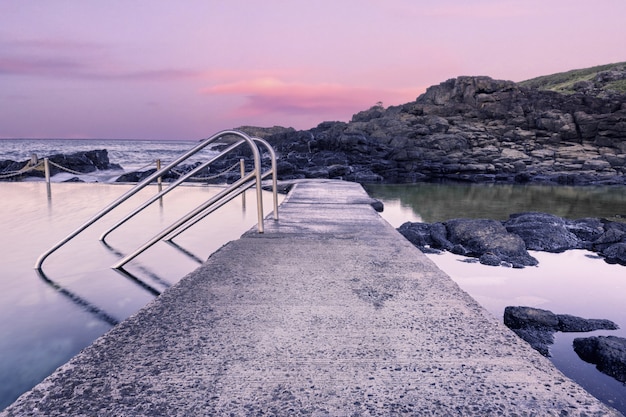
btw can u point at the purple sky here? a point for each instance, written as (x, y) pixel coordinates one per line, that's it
(159, 69)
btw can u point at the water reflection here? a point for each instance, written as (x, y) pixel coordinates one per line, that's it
(79, 301)
(48, 318)
(439, 202)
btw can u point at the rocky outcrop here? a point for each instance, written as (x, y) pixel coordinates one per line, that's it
(83, 162)
(469, 129)
(608, 353)
(485, 239)
(507, 243)
(537, 326)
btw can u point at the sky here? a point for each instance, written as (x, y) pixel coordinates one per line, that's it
(162, 69)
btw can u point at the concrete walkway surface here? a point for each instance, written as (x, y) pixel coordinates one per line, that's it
(330, 312)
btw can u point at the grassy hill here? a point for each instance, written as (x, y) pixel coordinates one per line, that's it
(610, 77)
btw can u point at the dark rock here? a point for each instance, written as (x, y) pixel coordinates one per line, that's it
(490, 259)
(136, 176)
(615, 254)
(537, 326)
(572, 324)
(377, 205)
(419, 234)
(506, 244)
(479, 237)
(611, 236)
(536, 318)
(586, 230)
(539, 339)
(542, 232)
(285, 169)
(82, 162)
(608, 353)
(473, 129)
(425, 235)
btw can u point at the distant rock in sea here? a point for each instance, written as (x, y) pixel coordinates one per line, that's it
(81, 162)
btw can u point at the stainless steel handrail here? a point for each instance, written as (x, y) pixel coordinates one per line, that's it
(227, 197)
(255, 174)
(273, 171)
(178, 223)
(168, 189)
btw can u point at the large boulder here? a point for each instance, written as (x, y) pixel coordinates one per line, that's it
(478, 237)
(76, 162)
(537, 326)
(608, 353)
(83, 161)
(542, 232)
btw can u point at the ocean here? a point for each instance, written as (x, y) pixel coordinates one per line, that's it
(48, 319)
(132, 155)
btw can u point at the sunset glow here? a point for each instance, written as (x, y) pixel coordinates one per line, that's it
(166, 70)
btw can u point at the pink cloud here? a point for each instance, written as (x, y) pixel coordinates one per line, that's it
(475, 10)
(77, 69)
(38, 66)
(270, 95)
(59, 58)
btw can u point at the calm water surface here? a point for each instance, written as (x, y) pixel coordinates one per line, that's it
(42, 327)
(574, 282)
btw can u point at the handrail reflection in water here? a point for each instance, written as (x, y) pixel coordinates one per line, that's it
(78, 300)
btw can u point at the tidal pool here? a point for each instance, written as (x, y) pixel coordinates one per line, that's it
(574, 282)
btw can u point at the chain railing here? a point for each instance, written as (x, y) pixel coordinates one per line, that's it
(35, 164)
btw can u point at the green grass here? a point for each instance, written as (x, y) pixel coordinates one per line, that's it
(563, 82)
(619, 85)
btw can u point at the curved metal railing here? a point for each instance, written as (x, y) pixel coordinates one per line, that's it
(253, 178)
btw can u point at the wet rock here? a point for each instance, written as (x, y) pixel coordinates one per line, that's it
(536, 318)
(377, 205)
(537, 326)
(586, 230)
(506, 243)
(82, 162)
(487, 240)
(615, 254)
(490, 259)
(542, 232)
(480, 236)
(136, 176)
(608, 353)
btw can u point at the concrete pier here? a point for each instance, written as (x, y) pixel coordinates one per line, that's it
(330, 312)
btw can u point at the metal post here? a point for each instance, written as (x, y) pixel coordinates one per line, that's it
(159, 181)
(242, 170)
(46, 169)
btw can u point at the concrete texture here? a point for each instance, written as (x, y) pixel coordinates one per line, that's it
(330, 312)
